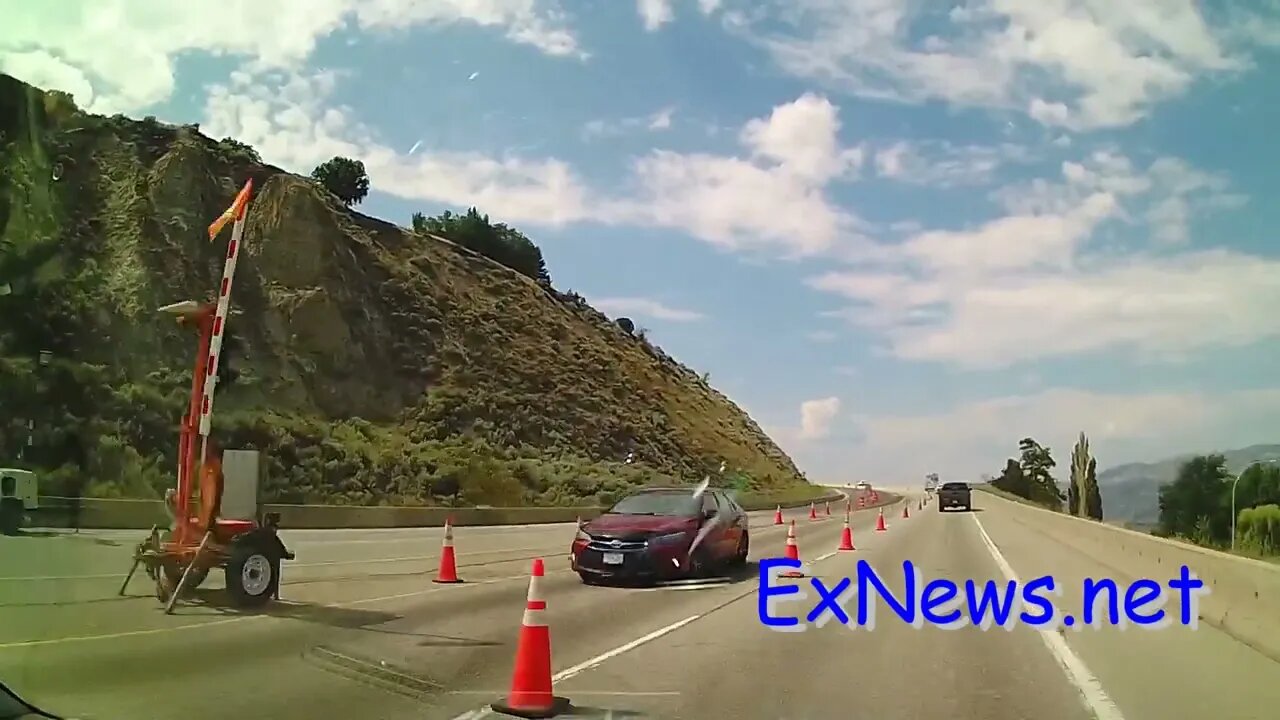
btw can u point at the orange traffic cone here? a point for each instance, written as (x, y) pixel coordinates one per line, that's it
(813, 512)
(448, 561)
(793, 553)
(530, 695)
(880, 521)
(846, 536)
(905, 514)
(777, 516)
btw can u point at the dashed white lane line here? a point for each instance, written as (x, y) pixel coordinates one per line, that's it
(1078, 674)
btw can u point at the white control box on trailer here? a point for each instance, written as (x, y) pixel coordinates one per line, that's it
(242, 473)
(19, 494)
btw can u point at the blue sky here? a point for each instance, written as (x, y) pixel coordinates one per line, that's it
(901, 239)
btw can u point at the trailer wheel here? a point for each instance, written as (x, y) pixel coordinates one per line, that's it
(253, 574)
(174, 574)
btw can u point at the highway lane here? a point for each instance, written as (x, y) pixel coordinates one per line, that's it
(396, 646)
(41, 617)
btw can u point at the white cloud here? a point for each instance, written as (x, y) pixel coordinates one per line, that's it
(823, 336)
(816, 417)
(1039, 282)
(1077, 63)
(943, 164)
(974, 438)
(644, 307)
(660, 120)
(774, 197)
(290, 121)
(655, 13)
(119, 55)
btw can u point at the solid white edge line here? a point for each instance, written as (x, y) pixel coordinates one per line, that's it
(1086, 683)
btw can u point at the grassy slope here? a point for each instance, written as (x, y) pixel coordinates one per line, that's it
(381, 366)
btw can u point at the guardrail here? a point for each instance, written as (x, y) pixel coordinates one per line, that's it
(126, 514)
(1244, 597)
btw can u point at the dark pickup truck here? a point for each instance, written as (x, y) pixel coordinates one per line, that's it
(954, 494)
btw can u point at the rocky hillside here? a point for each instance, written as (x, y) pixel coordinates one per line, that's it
(379, 365)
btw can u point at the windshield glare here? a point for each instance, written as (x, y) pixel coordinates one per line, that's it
(666, 503)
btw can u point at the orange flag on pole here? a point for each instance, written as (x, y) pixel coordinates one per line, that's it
(234, 212)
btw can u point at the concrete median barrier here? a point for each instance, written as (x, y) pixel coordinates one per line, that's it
(125, 514)
(1245, 593)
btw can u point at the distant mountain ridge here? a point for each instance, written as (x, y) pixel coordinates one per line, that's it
(1131, 492)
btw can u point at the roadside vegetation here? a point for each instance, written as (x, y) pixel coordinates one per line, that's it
(1196, 507)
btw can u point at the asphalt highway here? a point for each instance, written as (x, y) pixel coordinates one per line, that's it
(362, 632)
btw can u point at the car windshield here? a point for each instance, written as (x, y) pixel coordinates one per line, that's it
(659, 503)
(954, 486)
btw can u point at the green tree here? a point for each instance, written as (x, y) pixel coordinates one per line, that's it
(1037, 463)
(1092, 499)
(1259, 485)
(344, 177)
(1012, 480)
(497, 242)
(1194, 502)
(1079, 476)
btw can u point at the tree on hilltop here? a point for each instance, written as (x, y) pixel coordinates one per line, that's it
(344, 177)
(496, 241)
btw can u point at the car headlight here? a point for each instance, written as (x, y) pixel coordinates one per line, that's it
(669, 538)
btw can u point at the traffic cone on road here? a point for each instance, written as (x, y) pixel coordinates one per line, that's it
(813, 512)
(846, 535)
(905, 514)
(448, 561)
(793, 553)
(777, 516)
(880, 521)
(530, 695)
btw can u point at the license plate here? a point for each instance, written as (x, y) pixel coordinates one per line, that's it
(613, 558)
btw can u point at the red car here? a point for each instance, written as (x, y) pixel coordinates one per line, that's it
(651, 535)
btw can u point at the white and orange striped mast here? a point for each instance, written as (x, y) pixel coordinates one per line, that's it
(204, 381)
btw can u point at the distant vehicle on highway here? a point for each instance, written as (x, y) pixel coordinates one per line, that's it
(651, 534)
(862, 486)
(954, 494)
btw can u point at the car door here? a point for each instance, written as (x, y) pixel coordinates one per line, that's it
(715, 534)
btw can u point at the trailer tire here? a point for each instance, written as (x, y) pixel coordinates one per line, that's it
(174, 575)
(252, 574)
